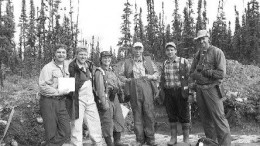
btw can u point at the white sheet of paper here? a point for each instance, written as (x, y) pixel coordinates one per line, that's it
(125, 110)
(66, 83)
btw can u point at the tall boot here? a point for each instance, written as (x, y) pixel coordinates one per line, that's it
(109, 141)
(186, 132)
(117, 139)
(173, 139)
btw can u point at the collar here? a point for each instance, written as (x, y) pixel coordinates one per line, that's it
(57, 64)
(107, 69)
(82, 66)
(140, 59)
(176, 59)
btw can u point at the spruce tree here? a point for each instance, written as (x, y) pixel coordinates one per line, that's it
(177, 24)
(187, 49)
(253, 31)
(151, 26)
(236, 42)
(199, 24)
(219, 30)
(204, 15)
(30, 52)
(23, 27)
(126, 39)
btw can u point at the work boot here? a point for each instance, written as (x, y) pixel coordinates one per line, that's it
(151, 143)
(109, 141)
(186, 132)
(117, 139)
(173, 139)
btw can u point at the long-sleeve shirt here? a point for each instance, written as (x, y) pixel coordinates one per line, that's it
(111, 80)
(214, 60)
(48, 80)
(171, 72)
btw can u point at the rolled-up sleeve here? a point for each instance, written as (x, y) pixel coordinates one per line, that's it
(156, 73)
(121, 73)
(46, 82)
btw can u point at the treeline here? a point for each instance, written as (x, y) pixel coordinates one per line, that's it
(241, 45)
(43, 27)
(40, 29)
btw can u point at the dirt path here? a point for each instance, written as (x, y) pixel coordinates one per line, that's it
(161, 140)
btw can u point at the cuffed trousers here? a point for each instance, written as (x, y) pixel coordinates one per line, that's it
(177, 107)
(212, 114)
(55, 121)
(88, 114)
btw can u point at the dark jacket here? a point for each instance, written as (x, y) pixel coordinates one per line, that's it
(80, 76)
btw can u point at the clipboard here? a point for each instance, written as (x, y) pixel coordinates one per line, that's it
(66, 83)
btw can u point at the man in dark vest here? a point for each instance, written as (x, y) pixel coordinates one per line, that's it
(139, 74)
(208, 69)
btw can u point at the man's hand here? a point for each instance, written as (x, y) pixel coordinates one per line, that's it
(196, 75)
(191, 98)
(64, 92)
(128, 80)
(148, 77)
(207, 73)
(105, 104)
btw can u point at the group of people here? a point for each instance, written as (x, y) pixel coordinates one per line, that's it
(96, 99)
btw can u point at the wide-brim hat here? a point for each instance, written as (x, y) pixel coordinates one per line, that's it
(201, 33)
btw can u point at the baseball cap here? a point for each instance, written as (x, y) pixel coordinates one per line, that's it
(202, 33)
(170, 44)
(138, 44)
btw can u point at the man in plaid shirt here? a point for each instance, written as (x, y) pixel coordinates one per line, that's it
(174, 83)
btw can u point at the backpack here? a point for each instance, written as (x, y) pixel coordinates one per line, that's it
(96, 98)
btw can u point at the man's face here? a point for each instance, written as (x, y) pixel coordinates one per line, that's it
(60, 55)
(106, 60)
(203, 42)
(70, 54)
(82, 57)
(170, 51)
(138, 51)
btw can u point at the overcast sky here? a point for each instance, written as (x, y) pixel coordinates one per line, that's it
(102, 18)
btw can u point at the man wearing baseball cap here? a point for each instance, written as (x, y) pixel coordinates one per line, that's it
(174, 83)
(208, 70)
(139, 74)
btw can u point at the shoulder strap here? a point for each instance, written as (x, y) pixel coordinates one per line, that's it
(181, 66)
(104, 77)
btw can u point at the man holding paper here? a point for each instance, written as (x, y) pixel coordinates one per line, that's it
(81, 104)
(52, 101)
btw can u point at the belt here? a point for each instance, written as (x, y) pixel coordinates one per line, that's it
(172, 88)
(207, 86)
(60, 97)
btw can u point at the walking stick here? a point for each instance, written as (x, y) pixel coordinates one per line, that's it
(8, 124)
